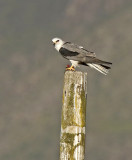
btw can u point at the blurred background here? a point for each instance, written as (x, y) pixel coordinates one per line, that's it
(32, 72)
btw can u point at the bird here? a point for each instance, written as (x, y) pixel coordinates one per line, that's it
(78, 55)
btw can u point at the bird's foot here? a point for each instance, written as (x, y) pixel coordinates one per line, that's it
(70, 68)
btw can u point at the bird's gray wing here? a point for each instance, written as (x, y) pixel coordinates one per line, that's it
(72, 51)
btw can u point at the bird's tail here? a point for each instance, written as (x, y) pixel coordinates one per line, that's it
(103, 68)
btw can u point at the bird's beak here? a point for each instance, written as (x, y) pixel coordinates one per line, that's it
(54, 43)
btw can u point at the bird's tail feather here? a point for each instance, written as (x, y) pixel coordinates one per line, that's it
(104, 62)
(105, 66)
(100, 67)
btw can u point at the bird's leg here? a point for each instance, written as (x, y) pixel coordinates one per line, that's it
(70, 68)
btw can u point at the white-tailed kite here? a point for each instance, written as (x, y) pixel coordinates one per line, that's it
(80, 56)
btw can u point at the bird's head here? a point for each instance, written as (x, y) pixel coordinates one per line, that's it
(57, 42)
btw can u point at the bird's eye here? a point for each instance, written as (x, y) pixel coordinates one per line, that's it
(57, 40)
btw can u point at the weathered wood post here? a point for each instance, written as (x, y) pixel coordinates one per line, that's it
(73, 120)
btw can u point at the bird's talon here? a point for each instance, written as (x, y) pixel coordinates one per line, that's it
(70, 68)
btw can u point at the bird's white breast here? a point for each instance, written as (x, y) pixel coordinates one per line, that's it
(58, 46)
(74, 63)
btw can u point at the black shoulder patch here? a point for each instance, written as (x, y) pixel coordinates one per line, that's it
(66, 53)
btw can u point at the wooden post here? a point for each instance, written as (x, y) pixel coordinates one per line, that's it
(73, 120)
